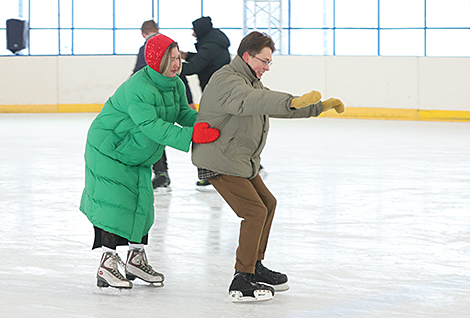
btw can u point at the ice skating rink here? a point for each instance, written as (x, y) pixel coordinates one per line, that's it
(373, 220)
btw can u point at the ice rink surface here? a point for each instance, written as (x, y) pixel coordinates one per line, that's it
(373, 220)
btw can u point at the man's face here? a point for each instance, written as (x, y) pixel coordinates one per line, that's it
(260, 62)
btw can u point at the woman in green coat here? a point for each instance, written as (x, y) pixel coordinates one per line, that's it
(124, 140)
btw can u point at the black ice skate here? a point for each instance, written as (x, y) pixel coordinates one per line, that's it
(244, 288)
(204, 186)
(267, 276)
(108, 272)
(161, 181)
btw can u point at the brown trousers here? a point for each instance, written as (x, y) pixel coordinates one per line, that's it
(251, 201)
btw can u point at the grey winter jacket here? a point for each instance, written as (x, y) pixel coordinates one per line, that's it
(236, 102)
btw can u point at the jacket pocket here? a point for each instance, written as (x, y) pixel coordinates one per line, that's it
(236, 149)
(134, 150)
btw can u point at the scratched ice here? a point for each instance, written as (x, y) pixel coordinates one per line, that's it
(373, 220)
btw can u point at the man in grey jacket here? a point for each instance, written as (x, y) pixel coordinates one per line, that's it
(236, 102)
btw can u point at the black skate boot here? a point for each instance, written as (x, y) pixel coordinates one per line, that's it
(161, 181)
(204, 186)
(275, 279)
(244, 288)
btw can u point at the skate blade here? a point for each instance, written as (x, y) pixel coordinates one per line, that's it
(106, 289)
(152, 284)
(104, 284)
(143, 283)
(260, 295)
(133, 277)
(280, 287)
(113, 291)
(162, 190)
(207, 188)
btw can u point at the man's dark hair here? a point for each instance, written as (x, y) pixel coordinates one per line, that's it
(149, 27)
(254, 42)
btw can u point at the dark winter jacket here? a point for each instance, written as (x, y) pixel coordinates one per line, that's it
(212, 51)
(140, 63)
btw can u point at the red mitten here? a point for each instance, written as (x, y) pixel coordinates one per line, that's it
(202, 134)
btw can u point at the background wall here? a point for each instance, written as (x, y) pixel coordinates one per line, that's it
(83, 83)
(393, 82)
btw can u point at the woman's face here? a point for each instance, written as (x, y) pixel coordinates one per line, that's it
(175, 62)
(260, 62)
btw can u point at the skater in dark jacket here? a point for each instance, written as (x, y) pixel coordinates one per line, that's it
(236, 102)
(212, 51)
(149, 28)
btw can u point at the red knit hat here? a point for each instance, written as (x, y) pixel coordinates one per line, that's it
(154, 50)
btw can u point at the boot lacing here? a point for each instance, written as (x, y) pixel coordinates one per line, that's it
(115, 261)
(144, 265)
(266, 272)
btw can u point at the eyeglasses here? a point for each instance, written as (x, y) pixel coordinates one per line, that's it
(265, 63)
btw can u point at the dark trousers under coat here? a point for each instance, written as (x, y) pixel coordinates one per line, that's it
(254, 203)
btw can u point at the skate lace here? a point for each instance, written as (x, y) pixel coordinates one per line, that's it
(267, 272)
(144, 265)
(115, 270)
(250, 279)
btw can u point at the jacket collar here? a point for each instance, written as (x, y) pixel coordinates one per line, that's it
(240, 66)
(163, 82)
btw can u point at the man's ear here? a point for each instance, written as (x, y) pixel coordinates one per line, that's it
(246, 55)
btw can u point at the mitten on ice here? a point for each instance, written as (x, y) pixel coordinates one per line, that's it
(334, 103)
(306, 99)
(202, 134)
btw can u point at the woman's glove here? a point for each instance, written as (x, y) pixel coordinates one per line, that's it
(306, 99)
(202, 134)
(334, 103)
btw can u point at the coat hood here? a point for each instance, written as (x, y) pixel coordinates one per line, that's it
(154, 50)
(215, 36)
(202, 26)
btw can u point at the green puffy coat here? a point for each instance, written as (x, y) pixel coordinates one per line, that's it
(124, 140)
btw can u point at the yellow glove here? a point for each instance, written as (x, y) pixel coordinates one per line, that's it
(306, 99)
(334, 103)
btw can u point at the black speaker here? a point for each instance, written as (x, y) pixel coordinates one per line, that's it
(17, 35)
